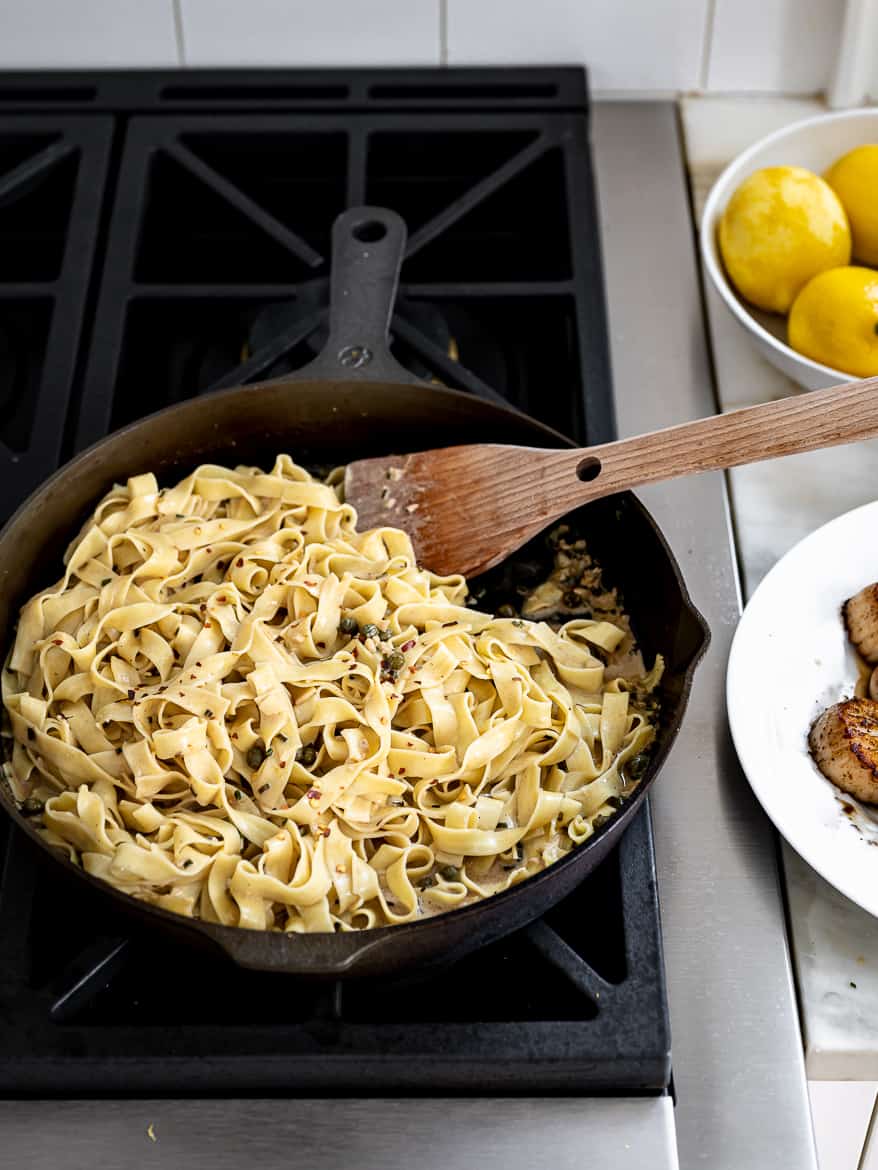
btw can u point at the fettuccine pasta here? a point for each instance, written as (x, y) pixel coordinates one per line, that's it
(235, 706)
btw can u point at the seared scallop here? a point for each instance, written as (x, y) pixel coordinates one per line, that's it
(873, 684)
(860, 614)
(844, 746)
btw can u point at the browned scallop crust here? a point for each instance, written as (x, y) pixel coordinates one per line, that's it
(844, 745)
(860, 614)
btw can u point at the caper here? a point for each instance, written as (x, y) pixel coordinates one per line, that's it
(637, 765)
(394, 661)
(306, 755)
(369, 630)
(31, 806)
(507, 610)
(428, 881)
(385, 635)
(450, 872)
(349, 625)
(601, 820)
(255, 756)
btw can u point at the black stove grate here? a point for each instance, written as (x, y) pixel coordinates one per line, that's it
(52, 179)
(213, 270)
(320, 90)
(573, 1003)
(217, 226)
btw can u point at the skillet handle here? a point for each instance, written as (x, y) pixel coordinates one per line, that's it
(367, 250)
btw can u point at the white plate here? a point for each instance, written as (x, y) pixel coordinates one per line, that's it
(790, 660)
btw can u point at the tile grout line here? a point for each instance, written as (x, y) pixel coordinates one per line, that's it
(707, 47)
(443, 32)
(177, 10)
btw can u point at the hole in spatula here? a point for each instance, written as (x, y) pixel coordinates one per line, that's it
(370, 231)
(588, 469)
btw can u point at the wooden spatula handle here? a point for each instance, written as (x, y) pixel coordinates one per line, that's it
(805, 422)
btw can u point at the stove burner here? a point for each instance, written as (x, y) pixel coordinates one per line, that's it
(312, 299)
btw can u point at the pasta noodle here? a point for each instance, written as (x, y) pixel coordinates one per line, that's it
(237, 707)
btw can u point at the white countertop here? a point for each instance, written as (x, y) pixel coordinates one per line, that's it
(775, 504)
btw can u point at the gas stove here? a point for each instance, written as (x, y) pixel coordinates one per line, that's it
(163, 235)
(202, 246)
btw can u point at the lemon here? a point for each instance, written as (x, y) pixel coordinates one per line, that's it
(834, 320)
(854, 179)
(782, 226)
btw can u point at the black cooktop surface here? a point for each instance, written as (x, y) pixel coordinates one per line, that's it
(162, 235)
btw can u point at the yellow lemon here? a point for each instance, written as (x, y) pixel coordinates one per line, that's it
(782, 226)
(834, 320)
(854, 179)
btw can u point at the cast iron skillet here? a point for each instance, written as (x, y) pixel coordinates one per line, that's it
(354, 400)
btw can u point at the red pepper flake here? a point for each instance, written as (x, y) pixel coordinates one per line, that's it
(324, 832)
(239, 562)
(57, 642)
(234, 735)
(130, 694)
(202, 608)
(208, 549)
(192, 676)
(321, 645)
(407, 645)
(198, 664)
(402, 771)
(207, 625)
(356, 652)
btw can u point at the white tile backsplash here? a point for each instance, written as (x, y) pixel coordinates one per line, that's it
(630, 46)
(773, 46)
(627, 44)
(74, 34)
(306, 33)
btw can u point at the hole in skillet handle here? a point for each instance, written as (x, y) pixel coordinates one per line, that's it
(589, 469)
(370, 231)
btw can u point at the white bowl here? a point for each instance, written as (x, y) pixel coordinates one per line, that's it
(815, 143)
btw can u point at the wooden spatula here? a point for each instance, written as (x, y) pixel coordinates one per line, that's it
(466, 508)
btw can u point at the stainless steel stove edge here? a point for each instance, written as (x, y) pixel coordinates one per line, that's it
(437, 1134)
(736, 1046)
